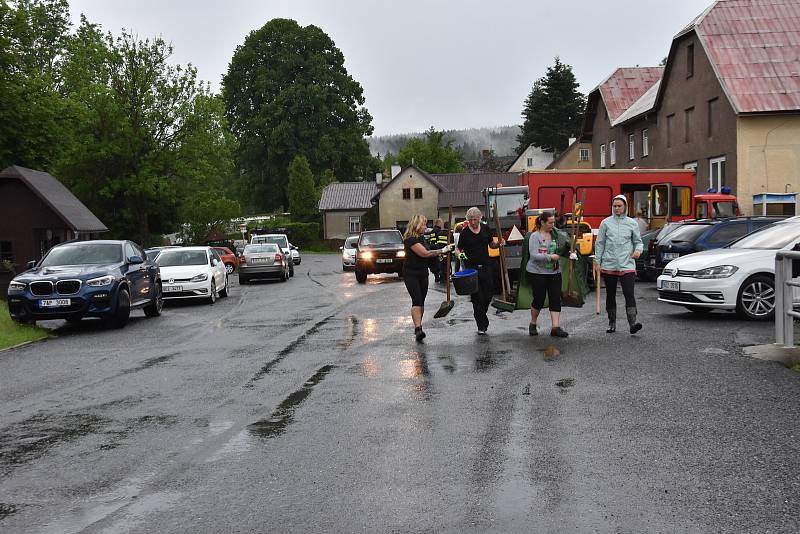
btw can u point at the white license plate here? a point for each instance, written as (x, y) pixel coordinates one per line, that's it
(670, 255)
(258, 260)
(667, 284)
(172, 289)
(384, 260)
(54, 303)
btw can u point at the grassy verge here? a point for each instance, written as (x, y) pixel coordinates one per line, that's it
(795, 367)
(12, 333)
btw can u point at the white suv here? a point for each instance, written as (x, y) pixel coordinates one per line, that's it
(282, 241)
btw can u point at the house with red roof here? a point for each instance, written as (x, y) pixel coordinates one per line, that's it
(726, 103)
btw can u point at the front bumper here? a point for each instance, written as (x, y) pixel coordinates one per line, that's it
(89, 302)
(348, 261)
(185, 290)
(374, 266)
(717, 293)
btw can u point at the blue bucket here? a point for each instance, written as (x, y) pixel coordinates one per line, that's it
(465, 282)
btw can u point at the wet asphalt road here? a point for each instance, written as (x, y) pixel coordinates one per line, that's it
(306, 406)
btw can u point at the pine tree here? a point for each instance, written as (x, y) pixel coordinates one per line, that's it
(303, 199)
(553, 111)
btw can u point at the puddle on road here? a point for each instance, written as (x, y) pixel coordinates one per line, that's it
(489, 359)
(152, 362)
(131, 426)
(566, 383)
(414, 365)
(6, 510)
(282, 416)
(550, 352)
(352, 333)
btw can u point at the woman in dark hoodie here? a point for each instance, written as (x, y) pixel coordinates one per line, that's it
(617, 246)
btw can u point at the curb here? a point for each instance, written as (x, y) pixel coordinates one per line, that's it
(24, 343)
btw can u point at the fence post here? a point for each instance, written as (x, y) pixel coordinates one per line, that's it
(780, 314)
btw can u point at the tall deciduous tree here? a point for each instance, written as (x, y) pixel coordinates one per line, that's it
(553, 110)
(431, 153)
(287, 92)
(303, 199)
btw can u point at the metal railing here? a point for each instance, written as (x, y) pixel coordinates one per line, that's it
(784, 309)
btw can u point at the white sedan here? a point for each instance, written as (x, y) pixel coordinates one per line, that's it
(740, 276)
(192, 272)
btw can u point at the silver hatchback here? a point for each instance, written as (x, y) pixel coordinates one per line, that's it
(265, 260)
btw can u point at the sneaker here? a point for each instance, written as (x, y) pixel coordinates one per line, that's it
(636, 327)
(532, 330)
(481, 332)
(558, 332)
(419, 334)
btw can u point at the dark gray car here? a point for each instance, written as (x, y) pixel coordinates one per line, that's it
(265, 260)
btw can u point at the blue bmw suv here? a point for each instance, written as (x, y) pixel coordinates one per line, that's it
(80, 279)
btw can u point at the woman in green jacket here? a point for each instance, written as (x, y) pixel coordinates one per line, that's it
(617, 246)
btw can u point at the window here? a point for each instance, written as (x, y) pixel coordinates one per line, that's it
(712, 104)
(612, 152)
(670, 126)
(583, 154)
(716, 173)
(602, 156)
(727, 233)
(406, 193)
(660, 193)
(681, 201)
(530, 162)
(645, 143)
(687, 124)
(691, 165)
(355, 224)
(417, 192)
(129, 252)
(690, 60)
(6, 253)
(631, 147)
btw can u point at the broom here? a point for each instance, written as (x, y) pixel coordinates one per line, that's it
(447, 305)
(501, 304)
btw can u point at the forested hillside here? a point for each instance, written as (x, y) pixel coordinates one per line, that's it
(501, 139)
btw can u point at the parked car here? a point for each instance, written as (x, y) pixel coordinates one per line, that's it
(80, 279)
(152, 252)
(349, 253)
(228, 258)
(279, 239)
(379, 251)
(739, 276)
(644, 258)
(295, 254)
(193, 272)
(266, 260)
(706, 234)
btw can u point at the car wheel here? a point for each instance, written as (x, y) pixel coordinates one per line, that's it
(361, 276)
(243, 280)
(756, 299)
(291, 270)
(699, 310)
(283, 276)
(154, 308)
(123, 311)
(229, 268)
(212, 298)
(224, 292)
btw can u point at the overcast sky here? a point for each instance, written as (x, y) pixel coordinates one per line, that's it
(446, 64)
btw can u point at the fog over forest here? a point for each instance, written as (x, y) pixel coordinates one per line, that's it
(501, 139)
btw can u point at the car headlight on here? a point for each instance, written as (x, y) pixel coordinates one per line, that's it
(401, 253)
(199, 278)
(16, 287)
(365, 255)
(100, 282)
(720, 271)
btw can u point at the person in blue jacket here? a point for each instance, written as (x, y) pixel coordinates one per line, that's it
(617, 246)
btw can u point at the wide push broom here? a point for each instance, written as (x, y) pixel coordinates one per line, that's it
(447, 305)
(502, 304)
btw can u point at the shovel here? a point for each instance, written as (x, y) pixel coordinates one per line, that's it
(502, 304)
(447, 305)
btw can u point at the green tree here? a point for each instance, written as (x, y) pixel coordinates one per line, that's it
(287, 92)
(303, 199)
(431, 153)
(327, 177)
(553, 111)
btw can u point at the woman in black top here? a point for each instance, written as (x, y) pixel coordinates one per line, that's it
(415, 269)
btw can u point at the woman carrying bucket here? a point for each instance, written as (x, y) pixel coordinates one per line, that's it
(546, 245)
(415, 269)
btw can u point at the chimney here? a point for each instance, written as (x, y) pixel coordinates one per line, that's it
(396, 170)
(378, 178)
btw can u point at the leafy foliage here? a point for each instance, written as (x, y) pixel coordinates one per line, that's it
(431, 154)
(286, 93)
(553, 110)
(303, 199)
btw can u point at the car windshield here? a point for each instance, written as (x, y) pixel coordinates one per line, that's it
(169, 258)
(279, 240)
(666, 230)
(382, 238)
(151, 254)
(770, 237)
(686, 232)
(266, 248)
(83, 254)
(351, 242)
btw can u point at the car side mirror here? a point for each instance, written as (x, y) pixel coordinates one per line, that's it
(135, 260)
(341, 248)
(31, 264)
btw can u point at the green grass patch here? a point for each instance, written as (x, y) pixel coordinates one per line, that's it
(12, 333)
(795, 367)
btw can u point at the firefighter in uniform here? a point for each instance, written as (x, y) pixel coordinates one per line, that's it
(437, 239)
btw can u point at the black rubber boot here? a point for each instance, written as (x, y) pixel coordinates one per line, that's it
(532, 331)
(612, 321)
(419, 334)
(635, 327)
